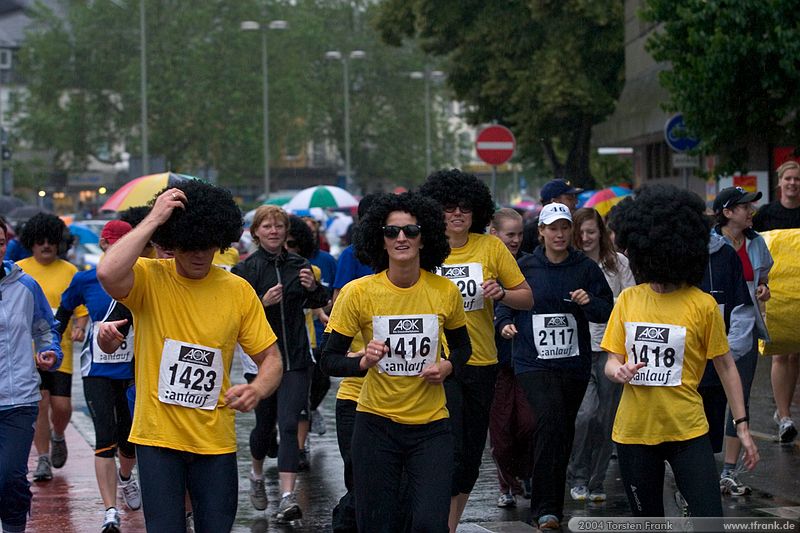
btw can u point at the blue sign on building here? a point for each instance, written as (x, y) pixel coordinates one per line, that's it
(676, 135)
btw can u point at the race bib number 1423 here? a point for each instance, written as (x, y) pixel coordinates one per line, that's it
(661, 348)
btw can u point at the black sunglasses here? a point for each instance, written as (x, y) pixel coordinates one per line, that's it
(409, 230)
(465, 208)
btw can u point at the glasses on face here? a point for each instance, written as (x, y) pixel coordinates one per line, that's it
(291, 244)
(409, 230)
(464, 208)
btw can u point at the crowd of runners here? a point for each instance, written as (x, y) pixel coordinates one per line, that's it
(562, 340)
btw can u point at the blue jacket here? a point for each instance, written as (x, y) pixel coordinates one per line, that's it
(762, 262)
(551, 284)
(25, 316)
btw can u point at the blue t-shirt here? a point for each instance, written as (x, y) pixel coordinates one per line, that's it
(327, 266)
(349, 268)
(15, 251)
(85, 289)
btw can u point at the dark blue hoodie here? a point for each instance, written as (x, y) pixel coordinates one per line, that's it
(551, 284)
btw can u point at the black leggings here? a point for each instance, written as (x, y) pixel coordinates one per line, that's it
(692, 462)
(108, 404)
(285, 407)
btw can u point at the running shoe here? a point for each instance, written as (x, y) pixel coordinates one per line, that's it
(44, 470)
(506, 500)
(548, 521)
(579, 493)
(258, 493)
(786, 430)
(288, 509)
(318, 423)
(111, 521)
(303, 464)
(58, 450)
(730, 484)
(130, 492)
(190, 522)
(596, 496)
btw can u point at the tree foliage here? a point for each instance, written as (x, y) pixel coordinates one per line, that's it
(735, 70)
(548, 69)
(82, 75)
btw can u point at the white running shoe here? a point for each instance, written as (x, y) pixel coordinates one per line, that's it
(130, 492)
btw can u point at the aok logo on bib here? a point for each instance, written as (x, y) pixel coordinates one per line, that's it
(190, 375)
(661, 348)
(468, 278)
(412, 342)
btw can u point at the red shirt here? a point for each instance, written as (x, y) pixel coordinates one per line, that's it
(747, 266)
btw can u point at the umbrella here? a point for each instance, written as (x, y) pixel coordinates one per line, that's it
(24, 212)
(324, 196)
(604, 199)
(584, 196)
(141, 190)
(8, 203)
(278, 200)
(84, 233)
(525, 204)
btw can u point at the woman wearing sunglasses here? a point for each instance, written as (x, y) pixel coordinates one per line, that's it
(552, 351)
(286, 284)
(401, 421)
(485, 272)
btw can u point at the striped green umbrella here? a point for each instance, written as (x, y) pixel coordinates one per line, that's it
(324, 196)
(278, 200)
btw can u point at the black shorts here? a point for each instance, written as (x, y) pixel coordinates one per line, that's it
(107, 401)
(56, 383)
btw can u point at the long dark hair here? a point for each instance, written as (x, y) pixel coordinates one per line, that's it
(608, 255)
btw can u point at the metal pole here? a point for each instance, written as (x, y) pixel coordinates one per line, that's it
(143, 88)
(427, 120)
(347, 178)
(2, 143)
(265, 70)
(494, 183)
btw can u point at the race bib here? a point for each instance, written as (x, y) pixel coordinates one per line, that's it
(555, 336)
(190, 375)
(468, 277)
(123, 354)
(661, 348)
(412, 340)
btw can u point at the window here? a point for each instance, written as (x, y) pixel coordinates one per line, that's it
(5, 58)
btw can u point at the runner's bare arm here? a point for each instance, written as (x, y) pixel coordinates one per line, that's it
(115, 271)
(519, 297)
(618, 371)
(729, 376)
(245, 397)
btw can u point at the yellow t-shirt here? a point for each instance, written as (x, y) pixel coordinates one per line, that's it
(54, 280)
(652, 326)
(184, 353)
(312, 334)
(482, 258)
(411, 316)
(350, 388)
(227, 259)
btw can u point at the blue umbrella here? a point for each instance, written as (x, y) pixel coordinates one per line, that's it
(84, 233)
(584, 196)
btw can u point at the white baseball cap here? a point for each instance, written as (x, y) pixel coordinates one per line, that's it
(552, 212)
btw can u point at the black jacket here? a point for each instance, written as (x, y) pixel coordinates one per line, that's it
(263, 270)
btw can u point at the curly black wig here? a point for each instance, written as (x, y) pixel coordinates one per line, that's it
(665, 234)
(211, 219)
(301, 233)
(368, 240)
(454, 186)
(134, 215)
(41, 227)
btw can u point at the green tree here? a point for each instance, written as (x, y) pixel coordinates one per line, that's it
(548, 69)
(205, 85)
(734, 70)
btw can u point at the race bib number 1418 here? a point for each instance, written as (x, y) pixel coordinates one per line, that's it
(661, 348)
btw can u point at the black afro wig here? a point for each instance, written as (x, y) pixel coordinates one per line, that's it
(301, 233)
(41, 227)
(134, 215)
(210, 219)
(450, 187)
(368, 240)
(665, 234)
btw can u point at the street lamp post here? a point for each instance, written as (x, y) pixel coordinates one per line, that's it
(427, 76)
(336, 55)
(143, 87)
(251, 25)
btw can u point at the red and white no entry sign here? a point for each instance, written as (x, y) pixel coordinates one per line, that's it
(495, 145)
